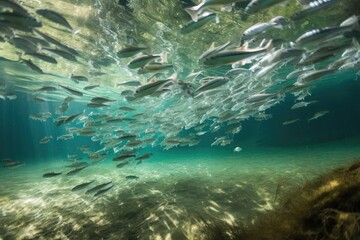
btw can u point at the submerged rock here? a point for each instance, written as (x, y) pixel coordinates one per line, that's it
(327, 207)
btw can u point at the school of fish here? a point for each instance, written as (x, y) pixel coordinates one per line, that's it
(165, 107)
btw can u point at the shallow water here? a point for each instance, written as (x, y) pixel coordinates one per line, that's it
(172, 193)
(226, 154)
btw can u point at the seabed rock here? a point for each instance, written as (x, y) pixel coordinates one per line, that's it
(326, 208)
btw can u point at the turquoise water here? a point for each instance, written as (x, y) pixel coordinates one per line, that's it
(210, 140)
(173, 191)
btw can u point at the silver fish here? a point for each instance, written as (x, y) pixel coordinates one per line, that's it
(318, 115)
(201, 21)
(257, 5)
(231, 56)
(54, 17)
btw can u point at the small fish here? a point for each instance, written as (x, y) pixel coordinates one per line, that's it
(51, 174)
(97, 188)
(141, 61)
(78, 78)
(56, 42)
(257, 5)
(101, 100)
(76, 170)
(314, 75)
(102, 191)
(68, 99)
(201, 21)
(10, 164)
(210, 52)
(128, 109)
(259, 97)
(123, 157)
(43, 57)
(291, 121)
(46, 89)
(23, 44)
(149, 88)
(72, 91)
(54, 17)
(96, 105)
(316, 35)
(121, 165)
(302, 104)
(212, 84)
(231, 56)
(317, 115)
(314, 7)
(130, 51)
(15, 7)
(45, 140)
(81, 186)
(195, 11)
(77, 165)
(132, 177)
(62, 53)
(17, 19)
(130, 83)
(237, 149)
(30, 64)
(89, 87)
(258, 28)
(66, 119)
(66, 137)
(154, 67)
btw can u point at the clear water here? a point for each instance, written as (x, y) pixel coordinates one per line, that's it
(186, 179)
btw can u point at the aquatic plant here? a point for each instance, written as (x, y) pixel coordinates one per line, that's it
(327, 207)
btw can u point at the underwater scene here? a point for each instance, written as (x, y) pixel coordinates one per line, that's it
(180, 119)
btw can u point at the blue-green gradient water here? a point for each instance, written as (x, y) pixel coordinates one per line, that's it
(190, 175)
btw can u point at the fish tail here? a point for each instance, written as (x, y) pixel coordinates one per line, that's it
(194, 11)
(356, 43)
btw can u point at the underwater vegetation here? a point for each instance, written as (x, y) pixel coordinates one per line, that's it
(327, 207)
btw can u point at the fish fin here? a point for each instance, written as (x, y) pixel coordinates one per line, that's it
(269, 46)
(244, 46)
(212, 46)
(163, 57)
(194, 11)
(154, 79)
(262, 43)
(173, 77)
(241, 63)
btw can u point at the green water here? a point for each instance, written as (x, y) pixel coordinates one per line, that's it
(173, 191)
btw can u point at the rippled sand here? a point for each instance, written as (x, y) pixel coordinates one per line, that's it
(172, 194)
